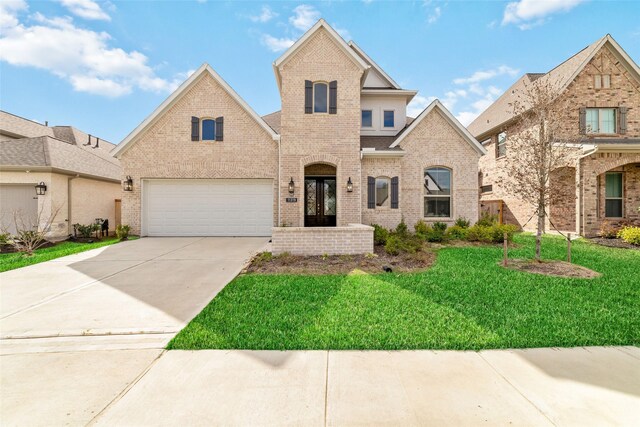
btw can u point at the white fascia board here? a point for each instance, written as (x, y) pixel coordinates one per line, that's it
(381, 153)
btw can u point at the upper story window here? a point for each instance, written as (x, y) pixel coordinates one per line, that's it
(389, 118)
(382, 191)
(601, 120)
(320, 97)
(208, 130)
(501, 146)
(367, 118)
(437, 192)
(602, 81)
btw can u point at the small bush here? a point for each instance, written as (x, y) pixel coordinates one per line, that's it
(380, 234)
(487, 219)
(478, 233)
(630, 235)
(4, 238)
(86, 230)
(397, 243)
(122, 231)
(456, 232)
(436, 235)
(463, 222)
(608, 230)
(491, 234)
(402, 229)
(422, 228)
(440, 226)
(263, 257)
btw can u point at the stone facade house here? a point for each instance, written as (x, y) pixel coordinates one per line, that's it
(601, 87)
(339, 155)
(81, 176)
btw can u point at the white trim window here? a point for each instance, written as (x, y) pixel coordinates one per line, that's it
(208, 131)
(367, 118)
(601, 120)
(321, 97)
(613, 195)
(388, 119)
(437, 192)
(501, 145)
(383, 191)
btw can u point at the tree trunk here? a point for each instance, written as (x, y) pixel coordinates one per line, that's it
(540, 225)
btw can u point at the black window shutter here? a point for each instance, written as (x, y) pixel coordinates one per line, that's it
(333, 97)
(195, 129)
(583, 120)
(622, 120)
(308, 97)
(219, 128)
(394, 192)
(371, 192)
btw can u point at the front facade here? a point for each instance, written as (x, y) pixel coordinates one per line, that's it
(600, 180)
(82, 179)
(340, 154)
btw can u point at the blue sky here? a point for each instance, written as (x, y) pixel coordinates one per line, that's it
(103, 66)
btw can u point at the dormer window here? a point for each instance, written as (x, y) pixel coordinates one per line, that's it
(320, 97)
(389, 118)
(367, 118)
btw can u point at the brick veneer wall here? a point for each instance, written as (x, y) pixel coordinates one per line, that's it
(332, 139)
(350, 239)
(165, 150)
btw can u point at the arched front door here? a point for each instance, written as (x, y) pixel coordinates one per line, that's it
(320, 201)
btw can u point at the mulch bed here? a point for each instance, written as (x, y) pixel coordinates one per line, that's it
(9, 249)
(613, 243)
(552, 268)
(342, 264)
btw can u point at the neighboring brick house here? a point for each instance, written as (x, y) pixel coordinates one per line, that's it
(601, 85)
(340, 153)
(82, 178)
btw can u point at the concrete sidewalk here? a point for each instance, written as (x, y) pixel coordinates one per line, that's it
(596, 386)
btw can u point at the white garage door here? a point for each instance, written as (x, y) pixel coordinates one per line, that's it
(215, 207)
(17, 201)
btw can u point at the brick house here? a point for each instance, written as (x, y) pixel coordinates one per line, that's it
(339, 155)
(81, 176)
(601, 85)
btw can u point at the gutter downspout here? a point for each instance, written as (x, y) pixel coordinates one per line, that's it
(279, 167)
(69, 179)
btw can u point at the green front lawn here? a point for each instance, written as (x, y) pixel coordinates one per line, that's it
(465, 301)
(17, 260)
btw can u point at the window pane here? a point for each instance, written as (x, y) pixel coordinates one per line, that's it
(598, 81)
(310, 196)
(437, 181)
(613, 208)
(613, 185)
(388, 119)
(502, 144)
(592, 120)
(606, 81)
(382, 191)
(607, 120)
(437, 206)
(320, 98)
(367, 118)
(208, 130)
(329, 196)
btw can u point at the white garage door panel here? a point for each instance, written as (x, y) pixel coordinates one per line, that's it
(221, 207)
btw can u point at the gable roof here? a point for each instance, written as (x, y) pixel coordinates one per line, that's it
(177, 94)
(376, 67)
(436, 104)
(559, 77)
(305, 38)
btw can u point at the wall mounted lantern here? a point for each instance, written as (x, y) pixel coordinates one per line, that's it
(41, 189)
(127, 184)
(349, 186)
(291, 186)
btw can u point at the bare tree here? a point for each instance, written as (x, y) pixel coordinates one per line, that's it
(537, 145)
(31, 231)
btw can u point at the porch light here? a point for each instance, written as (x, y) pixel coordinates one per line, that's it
(291, 186)
(41, 189)
(127, 184)
(349, 186)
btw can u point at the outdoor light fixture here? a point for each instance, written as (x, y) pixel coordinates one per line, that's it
(41, 189)
(127, 184)
(291, 186)
(349, 186)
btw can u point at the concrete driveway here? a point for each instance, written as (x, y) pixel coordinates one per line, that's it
(77, 331)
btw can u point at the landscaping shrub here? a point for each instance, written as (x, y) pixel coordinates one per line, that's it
(487, 219)
(380, 235)
(456, 232)
(397, 243)
(478, 233)
(402, 229)
(422, 228)
(122, 231)
(86, 230)
(462, 222)
(4, 238)
(630, 235)
(491, 234)
(608, 230)
(440, 226)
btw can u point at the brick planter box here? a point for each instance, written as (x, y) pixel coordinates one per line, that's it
(352, 239)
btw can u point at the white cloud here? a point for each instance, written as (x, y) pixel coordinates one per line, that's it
(482, 75)
(345, 34)
(87, 9)
(418, 104)
(82, 57)
(265, 15)
(529, 13)
(9, 10)
(304, 16)
(276, 44)
(435, 15)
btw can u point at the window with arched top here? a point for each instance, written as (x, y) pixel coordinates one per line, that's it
(320, 97)
(437, 192)
(208, 130)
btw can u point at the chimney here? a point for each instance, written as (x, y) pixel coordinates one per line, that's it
(97, 143)
(46, 123)
(88, 140)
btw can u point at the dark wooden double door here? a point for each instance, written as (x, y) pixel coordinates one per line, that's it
(320, 202)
